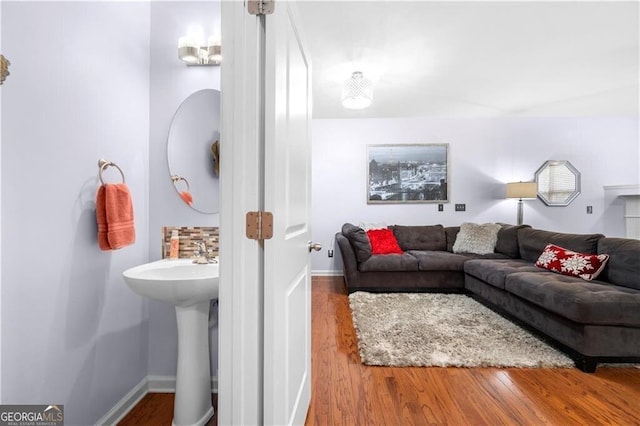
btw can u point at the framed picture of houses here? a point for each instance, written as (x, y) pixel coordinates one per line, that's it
(408, 173)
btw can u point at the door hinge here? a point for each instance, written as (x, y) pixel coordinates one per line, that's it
(261, 7)
(259, 225)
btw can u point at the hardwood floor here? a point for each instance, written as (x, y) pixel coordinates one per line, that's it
(156, 409)
(345, 392)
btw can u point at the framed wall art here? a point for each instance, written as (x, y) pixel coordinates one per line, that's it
(416, 173)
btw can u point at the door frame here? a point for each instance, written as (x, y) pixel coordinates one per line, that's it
(240, 371)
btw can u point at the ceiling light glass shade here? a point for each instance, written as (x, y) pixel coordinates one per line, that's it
(357, 92)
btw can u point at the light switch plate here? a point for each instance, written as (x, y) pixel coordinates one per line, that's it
(461, 207)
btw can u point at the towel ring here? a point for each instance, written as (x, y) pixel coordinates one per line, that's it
(178, 178)
(104, 164)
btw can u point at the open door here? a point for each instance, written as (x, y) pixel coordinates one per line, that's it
(264, 372)
(287, 272)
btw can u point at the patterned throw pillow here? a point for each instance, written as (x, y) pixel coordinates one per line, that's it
(383, 242)
(567, 262)
(476, 239)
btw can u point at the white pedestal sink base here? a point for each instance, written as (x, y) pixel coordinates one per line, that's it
(192, 405)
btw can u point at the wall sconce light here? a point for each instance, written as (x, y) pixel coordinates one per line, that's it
(357, 92)
(521, 190)
(4, 68)
(193, 51)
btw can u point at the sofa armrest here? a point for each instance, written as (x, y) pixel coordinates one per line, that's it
(349, 261)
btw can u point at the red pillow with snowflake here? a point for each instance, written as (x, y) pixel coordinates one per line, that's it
(383, 242)
(567, 262)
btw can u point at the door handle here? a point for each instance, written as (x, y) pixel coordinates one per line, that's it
(314, 246)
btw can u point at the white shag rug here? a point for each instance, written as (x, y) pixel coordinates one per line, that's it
(443, 330)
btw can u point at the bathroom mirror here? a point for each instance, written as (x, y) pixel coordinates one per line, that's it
(558, 183)
(192, 150)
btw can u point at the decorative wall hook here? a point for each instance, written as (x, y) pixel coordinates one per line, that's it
(4, 68)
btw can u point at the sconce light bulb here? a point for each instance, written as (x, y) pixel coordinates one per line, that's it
(214, 40)
(183, 41)
(196, 34)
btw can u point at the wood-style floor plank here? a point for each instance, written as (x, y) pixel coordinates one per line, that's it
(156, 409)
(346, 392)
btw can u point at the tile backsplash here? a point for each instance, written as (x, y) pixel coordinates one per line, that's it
(188, 236)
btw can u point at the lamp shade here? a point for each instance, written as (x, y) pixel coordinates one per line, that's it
(522, 190)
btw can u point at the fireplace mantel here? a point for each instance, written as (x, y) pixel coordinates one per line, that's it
(631, 196)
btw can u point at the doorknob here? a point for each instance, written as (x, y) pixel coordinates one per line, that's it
(315, 246)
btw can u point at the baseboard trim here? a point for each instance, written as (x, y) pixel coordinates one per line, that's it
(162, 384)
(326, 273)
(150, 384)
(125, 405)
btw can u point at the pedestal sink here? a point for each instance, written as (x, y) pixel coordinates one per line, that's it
(190, 287)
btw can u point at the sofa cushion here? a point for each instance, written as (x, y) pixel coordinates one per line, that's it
(359, 241)
(389, 262)
(438, 260)
(623, 267)
(421, 237)
(383, 242)
(508, 240)
(478, 239)
(495, 271)
(445, 261)
(451, 232)
(568, 262)
(533, 241)
(585, 302)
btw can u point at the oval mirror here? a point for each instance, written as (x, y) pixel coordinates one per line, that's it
(192, 150)
(558, 183)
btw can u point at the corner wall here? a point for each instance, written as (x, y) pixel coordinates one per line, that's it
(484, 154)
(72, 332)
(171, 83)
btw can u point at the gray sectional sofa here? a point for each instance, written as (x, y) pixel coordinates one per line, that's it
(593, 321)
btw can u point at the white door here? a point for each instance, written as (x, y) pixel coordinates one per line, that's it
(287, 279)
(264, 316)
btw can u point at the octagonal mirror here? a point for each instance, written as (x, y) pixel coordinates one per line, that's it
(558, 182)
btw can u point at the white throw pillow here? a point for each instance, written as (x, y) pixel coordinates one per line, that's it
(477, 239)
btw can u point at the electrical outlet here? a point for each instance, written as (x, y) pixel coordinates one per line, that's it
(440, 207)
(330, 253)
(589, 209)
(461, 207)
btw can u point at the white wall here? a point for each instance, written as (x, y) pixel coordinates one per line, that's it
(72, 332)
(484, 154)
(0, 218)
(171, 83)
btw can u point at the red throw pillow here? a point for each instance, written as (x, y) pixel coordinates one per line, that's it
(383, 242)
(567, 262)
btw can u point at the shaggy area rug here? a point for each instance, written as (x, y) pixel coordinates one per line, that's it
(443, 330)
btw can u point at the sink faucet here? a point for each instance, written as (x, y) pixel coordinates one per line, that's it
(202, 254)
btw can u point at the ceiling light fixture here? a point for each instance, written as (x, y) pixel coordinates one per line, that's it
(193, 51)
(357, 92)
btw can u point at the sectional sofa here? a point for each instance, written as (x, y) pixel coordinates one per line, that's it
(594, 321)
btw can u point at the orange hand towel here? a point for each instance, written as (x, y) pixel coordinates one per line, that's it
(114, 211)
(186, 197)
(101, 217)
